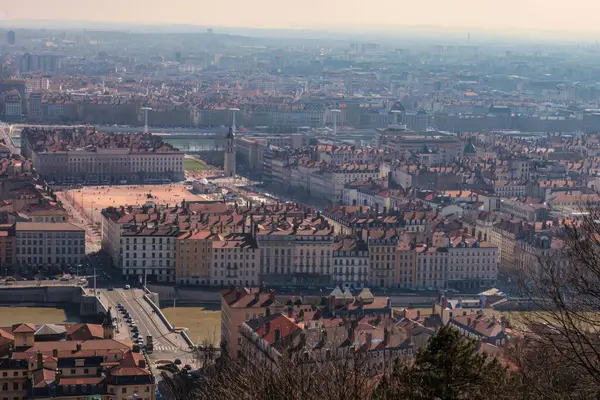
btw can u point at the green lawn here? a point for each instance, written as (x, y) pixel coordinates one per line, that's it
(190, 164)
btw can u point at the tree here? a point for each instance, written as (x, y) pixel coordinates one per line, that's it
(292, 378)
(449, 368)
(564, 289)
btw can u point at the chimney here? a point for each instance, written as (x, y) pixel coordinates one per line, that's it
(277, 335)
(40, 360)
(418, 314)
(469, 321)
(78, 347)
(55, 353)
(369, 340)
(386, 336)
(267, 326)
(142, 363)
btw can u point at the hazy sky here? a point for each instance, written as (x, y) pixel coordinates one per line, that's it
(574, 15)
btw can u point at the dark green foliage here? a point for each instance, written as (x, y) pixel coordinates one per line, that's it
(450, 368)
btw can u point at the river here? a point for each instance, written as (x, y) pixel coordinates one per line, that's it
(39, 315)
(204, 323)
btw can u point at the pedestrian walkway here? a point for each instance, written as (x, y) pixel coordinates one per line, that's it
(158, 346)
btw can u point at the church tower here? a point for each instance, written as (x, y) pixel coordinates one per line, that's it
(229, 164)
(108, 325)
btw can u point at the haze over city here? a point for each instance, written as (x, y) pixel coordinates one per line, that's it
(526, 16)
(319, 199)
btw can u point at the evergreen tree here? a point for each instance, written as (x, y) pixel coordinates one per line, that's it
(449, 368)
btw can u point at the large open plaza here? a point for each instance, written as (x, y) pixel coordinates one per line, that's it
(98, 197)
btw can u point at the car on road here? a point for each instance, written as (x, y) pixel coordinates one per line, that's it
(120, 306)
(111, 289)
(127, 287)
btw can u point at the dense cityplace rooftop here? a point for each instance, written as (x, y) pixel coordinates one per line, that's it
(339, 198)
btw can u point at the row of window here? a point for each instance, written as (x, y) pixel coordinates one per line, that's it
(41, 235)
(48, 250)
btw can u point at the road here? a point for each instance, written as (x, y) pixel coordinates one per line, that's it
(167, 345)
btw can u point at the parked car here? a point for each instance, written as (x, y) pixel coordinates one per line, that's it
(127, 287)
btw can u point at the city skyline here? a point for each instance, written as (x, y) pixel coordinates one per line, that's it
(514, 17)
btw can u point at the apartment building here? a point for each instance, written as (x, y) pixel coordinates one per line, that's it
(382, 253)
(8, 246)
(42, 212)
(337, 177)
(463, 263)
(47, 361)
(235, 260)
(528, 209)
(49, 244)
(346, 154)
(237, 306)
(350, 262)
(294, 250)
(149, 252)
(142, 241)
(101, 158)
(193, 263)
(13, 106)
(406, 257)
(510, 188)
(505, 235)
(341, 326)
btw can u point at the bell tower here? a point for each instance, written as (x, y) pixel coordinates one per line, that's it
(229, 164)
